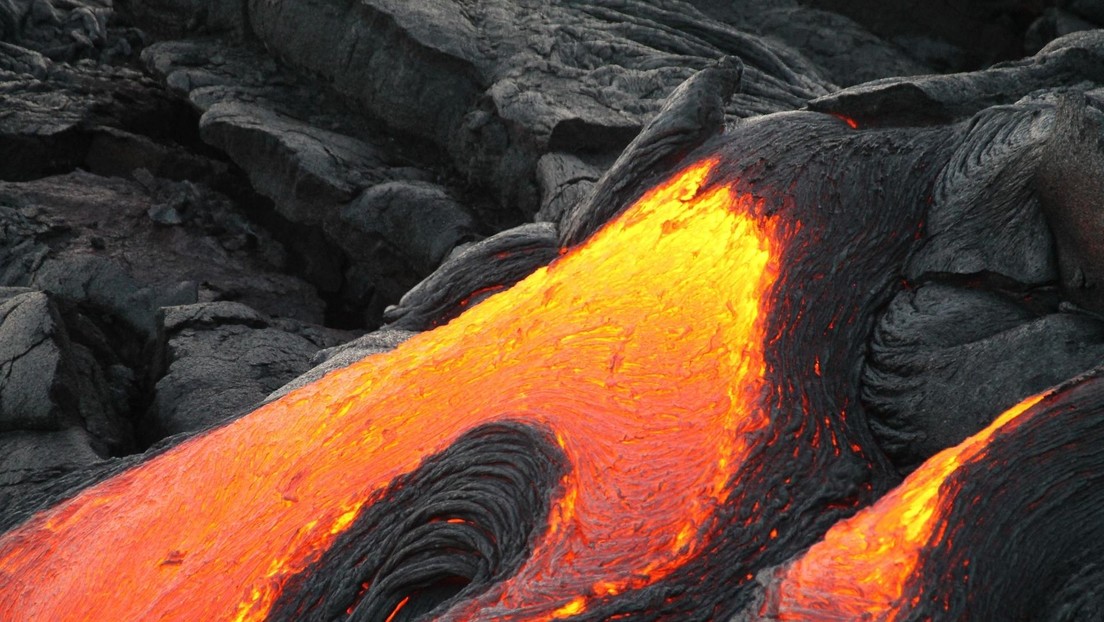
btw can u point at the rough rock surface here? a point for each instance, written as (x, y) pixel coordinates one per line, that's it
(34, 356)
(53, 380)
(369, 218)
(1069, 63)
(503, 83)
(221, 359)
(59, 409)
(132, 246)
(57, 117)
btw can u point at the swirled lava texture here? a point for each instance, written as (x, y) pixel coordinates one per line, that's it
(646, 368)
(1003, 526)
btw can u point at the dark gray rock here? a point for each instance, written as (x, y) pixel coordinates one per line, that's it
(385, 223)
(499, 84)
(221, 359)
(843, 49)
(68, 30)
(36, 392)
(958, 37)
(564, 180)
(92, 240)
(23, 62)
(420, 220)
(392, 235)
(985, 214)
(30, 461)
(1022, 198)
(1070, 184)
(176, 18)
(847, 53)
(307, 172)
(51, 382)
(112, 152)
(1054, 23)
(208, 70)
(1086, 9)
(53, 113)
(1075, 61)
(945, 361)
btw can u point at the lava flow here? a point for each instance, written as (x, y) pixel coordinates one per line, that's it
(646, 367)
(864, 567)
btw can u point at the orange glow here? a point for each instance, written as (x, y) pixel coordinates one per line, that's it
(398, 608)
(647, 364)
(860, 569)
(851, 123)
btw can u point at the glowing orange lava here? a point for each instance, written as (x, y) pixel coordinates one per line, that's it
(860, 570)
(641, 349)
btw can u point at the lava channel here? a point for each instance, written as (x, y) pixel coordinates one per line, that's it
(648, 368)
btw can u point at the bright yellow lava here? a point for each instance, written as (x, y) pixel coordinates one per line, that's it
(860, 569)
(641, 350)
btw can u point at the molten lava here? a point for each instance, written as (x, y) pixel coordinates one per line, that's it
(862, 567)
(647, 366)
